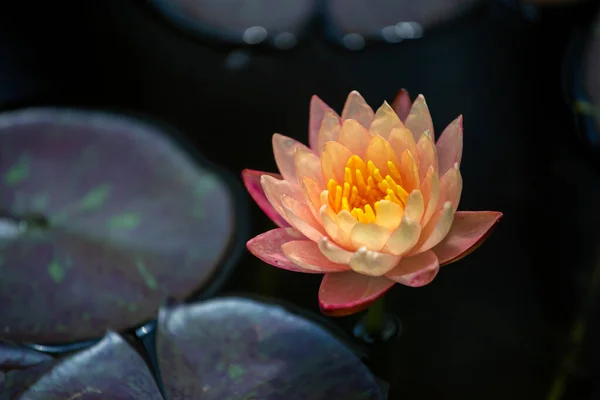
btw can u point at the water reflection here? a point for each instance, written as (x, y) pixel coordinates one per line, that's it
(282, 24)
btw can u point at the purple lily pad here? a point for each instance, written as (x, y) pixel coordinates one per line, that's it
(236, 348)
(109, 370)
(130, 220)
(224, 349)
(20, 368)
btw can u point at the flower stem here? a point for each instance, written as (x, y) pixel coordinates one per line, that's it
(375, 318)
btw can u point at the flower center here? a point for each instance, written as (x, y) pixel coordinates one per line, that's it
(364, 187)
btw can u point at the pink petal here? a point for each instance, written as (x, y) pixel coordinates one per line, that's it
(252, 181)
(354, 137)
(427, 155)
(419, 118)
(416, 271)
(402, 104)
(451, 185)
(308, 164)
(312, 192)
(300, 217)
(468, 232)
(334, 160)
(329, 130)
(402, 139)
(267, 247)
(275, 189)
(306, 254)
(450, 146)
(381, 152)
(357, 108)
(346, 293)
(317, 111)
(284, 149)
(430, 187)
(385, 119)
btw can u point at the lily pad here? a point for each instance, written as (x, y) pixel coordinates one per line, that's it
(224, 349)
(234, 348)
(109, 370)
(109, 218)
(20, 368)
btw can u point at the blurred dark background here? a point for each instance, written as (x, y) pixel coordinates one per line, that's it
(519, 319)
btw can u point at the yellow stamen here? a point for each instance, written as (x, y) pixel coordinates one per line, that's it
(360, 182)
(338, 198)
(363, 188)
(348, 175)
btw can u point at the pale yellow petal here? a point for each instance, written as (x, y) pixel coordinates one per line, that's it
(415, 207)
(389, 214)
(371, 235)
(329, 130)
(346, 221)
(409, 172)
(436, 230)
(357, 108)
(427, 154)
(419, 118)
(284, 149)
(308, 164)
(404, 238)
(334, 160)
(299, 216)
(333, 252)
(430, 188)
(380, 152)
(385, 119)
(451, 187)
(373, 263)
(354, 136)
(332, 228)
(401, 139)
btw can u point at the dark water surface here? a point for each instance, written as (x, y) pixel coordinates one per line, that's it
(496, 325)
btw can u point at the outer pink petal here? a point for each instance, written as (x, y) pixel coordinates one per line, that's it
(252, 181)
(469, 230)
(306, 254)
(402, 104)
(346, 293)
(317, 111)
(284, 150)
(416, 271)
(450, 146)
(267, 247)
(275, 189)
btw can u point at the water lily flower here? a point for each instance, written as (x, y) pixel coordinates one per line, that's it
(371, 203)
